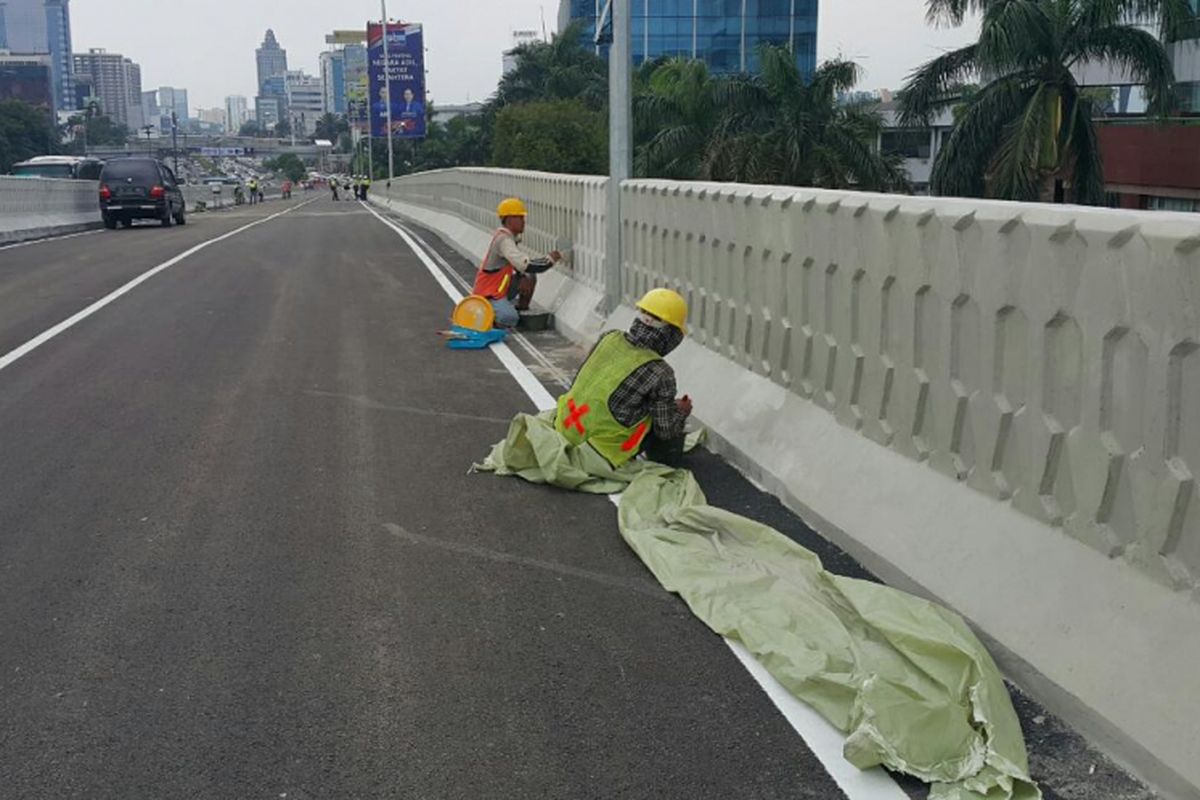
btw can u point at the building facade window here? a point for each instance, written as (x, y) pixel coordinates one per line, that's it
(725, 34)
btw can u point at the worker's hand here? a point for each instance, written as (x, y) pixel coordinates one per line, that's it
(685, 405)
(555, 256)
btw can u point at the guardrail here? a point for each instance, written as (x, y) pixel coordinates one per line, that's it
(1046, 356)
(563, 209)
(33, 208)
(995, 404)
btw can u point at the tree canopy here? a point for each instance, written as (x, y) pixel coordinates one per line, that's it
(25, 131)
(1029, 132)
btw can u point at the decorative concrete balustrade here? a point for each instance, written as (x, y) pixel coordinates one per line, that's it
(1046, 356)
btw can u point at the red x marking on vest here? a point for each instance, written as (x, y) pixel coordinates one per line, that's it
(575, 420)
(634, 441)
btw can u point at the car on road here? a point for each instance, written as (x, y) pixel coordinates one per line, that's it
(65, 167)
(140, 188)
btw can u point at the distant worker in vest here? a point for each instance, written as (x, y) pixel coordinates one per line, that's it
(253, 187)
(623, 400)
(366, 185)
(507, 277)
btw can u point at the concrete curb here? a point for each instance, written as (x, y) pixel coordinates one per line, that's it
(8, 237)
(1095, 642)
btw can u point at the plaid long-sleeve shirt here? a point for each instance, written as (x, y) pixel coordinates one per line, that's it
(650, 390)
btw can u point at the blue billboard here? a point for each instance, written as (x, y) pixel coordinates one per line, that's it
(406, 54)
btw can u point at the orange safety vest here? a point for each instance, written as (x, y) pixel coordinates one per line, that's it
(494, 284)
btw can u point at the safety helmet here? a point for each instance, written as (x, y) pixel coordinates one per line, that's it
(512, 207)
(666, 305)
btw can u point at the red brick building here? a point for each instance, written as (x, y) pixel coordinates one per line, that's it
(1152, 166)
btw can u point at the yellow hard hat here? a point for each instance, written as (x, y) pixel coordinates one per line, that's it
(474, 313)
(512, 207)
(667, 306)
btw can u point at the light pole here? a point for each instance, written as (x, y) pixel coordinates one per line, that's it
(387, 90)
(149, 149)
(620, 135)
(175, 140)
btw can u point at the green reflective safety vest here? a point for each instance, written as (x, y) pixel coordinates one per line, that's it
(583, 413)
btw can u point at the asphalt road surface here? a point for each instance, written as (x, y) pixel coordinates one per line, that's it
(241, 555)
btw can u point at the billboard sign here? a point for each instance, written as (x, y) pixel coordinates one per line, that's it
(346, 37)
(356, 88)
(406, 54)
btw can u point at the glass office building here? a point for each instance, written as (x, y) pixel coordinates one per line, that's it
(725, 34)
(42, 26)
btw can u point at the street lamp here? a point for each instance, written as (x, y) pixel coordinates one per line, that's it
(149, 149)
(175, 140)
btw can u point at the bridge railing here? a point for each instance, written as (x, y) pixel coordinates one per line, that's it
(1045, 356)
(564, 210)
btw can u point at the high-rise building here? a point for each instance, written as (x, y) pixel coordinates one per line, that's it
(271, 60)
(150, 109)
(110, 75)
(133, 81)
(212, 116)
(333, 80)
(519, 38)
(37, 27)
(267, 112)
(305, 101)
(170, 99)
(236, 113)
(27, 78)
(725, 35)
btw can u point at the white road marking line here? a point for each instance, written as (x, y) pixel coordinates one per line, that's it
(824, 740)
(31, 242)
(559, 376)
(532, 386)
(39, 340)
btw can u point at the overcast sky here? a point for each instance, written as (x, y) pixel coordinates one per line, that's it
(207, 46)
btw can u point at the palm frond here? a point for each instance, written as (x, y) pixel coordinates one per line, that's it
(1138, 52)
(1087, 184)
(1015, 35)
(1015, 170)
(962, 163)
(935, 84)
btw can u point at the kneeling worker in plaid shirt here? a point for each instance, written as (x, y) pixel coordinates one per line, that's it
(623, 399)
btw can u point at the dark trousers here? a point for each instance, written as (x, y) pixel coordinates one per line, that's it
(664, 451)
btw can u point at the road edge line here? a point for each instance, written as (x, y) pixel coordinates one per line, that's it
(10, 358)
(822, 738)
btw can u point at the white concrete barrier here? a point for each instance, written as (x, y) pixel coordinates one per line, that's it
(996, 405)
(33, 208)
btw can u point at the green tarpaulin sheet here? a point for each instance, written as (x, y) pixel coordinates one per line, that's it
(907, 681)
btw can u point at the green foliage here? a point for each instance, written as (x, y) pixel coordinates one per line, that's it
(332, 127)
(99, 130)
(772, 127)
(283, 128)
(553, 136)
(288, 164)
(457, 143)
(25, 132)
(1030, 134)
(561, 69)
(250, 128)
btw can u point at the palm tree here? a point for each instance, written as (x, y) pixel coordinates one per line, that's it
(676, 112)
(1028, 133)
(331, 126)
(561, 69)
(776, 128)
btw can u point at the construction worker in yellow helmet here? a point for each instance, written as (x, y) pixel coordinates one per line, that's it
(623, 400)
(507, 276)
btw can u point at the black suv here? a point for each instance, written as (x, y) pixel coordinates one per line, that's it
(139, 188)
